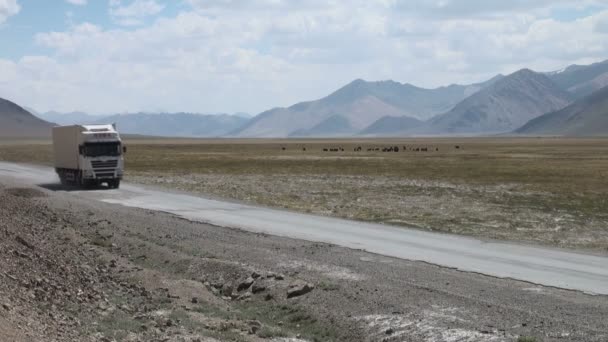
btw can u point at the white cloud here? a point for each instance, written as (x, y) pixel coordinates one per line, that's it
(134, 13)
(8, 8)
(246, 55)
(77, 2)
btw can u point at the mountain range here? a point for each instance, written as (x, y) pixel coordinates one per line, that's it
(586, 116)
(582, 80)
(501, 107)
(16, 122)
(502, 104)
(355, 107)
(158, 124)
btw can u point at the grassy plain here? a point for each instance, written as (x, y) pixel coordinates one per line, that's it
(550, 191)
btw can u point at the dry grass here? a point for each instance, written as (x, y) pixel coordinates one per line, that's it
(550, 190)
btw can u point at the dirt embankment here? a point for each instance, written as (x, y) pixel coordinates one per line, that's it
(73, 269)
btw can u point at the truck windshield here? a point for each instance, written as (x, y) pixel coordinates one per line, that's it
(110, 149)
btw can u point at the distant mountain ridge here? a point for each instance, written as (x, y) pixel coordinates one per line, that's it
(392, 126)
(384, 108)
(176, 124)
(71, 118)
(501, 107)
(158, 124)
(361, 103)
(498, 105)
(16, 122)
(582, 80)
(585, 117)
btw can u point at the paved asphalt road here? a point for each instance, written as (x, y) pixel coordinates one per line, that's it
(550, 267)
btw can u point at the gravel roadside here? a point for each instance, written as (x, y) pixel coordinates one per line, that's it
(77, 269)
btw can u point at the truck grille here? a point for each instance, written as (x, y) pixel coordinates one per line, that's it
(110, 164)
(104, 169)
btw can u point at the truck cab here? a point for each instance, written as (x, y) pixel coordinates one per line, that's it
(88, 155)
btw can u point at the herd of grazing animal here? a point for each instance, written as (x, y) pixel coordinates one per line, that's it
(382, 149)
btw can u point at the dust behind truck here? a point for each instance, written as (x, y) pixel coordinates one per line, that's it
(88, 155)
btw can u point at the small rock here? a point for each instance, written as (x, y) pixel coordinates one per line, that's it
(227, 289)
(245, 284)
(389, 331)
(255, 275)
(254, 327)
(6, 307)
(126, 308)
(257, 288)
(24, 242)
(299, 288)
(245, 296)
(194, 300)
(268, 297)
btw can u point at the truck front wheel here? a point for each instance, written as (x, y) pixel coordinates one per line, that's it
(114, 184)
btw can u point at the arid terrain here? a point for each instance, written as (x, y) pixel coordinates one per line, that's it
(75, 269)
(549, 191)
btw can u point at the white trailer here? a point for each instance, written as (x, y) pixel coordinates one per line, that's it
(88, 155)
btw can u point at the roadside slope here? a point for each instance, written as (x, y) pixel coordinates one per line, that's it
(177, 274)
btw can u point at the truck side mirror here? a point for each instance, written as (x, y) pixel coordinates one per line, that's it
(124, 149)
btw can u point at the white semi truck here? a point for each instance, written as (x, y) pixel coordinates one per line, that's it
(88, 155)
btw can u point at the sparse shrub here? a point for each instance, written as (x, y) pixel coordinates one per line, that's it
(267, 332)
(101, 242)
(328, 286)
(527, 339)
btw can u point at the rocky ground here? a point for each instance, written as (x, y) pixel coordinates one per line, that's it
(72, 269)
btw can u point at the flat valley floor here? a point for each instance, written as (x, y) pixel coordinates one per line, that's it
(548, 191)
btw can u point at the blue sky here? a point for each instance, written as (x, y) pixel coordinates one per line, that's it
(108, 56)
(37, 16)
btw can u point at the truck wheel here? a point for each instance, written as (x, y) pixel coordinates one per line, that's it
(114, 184)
